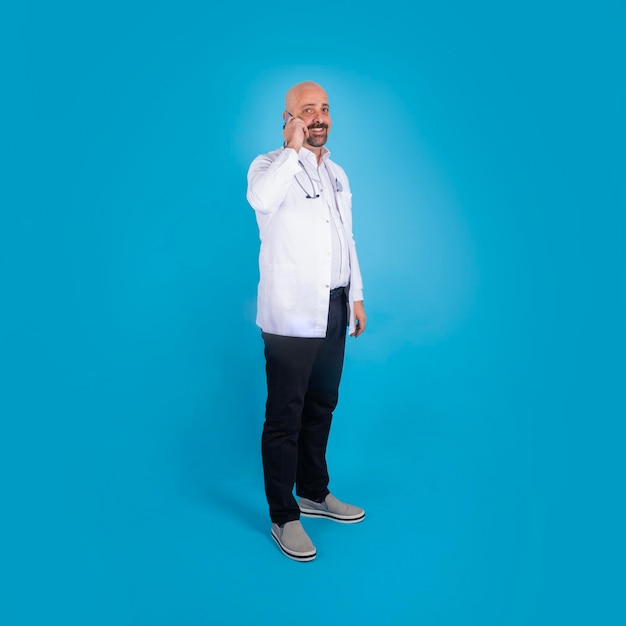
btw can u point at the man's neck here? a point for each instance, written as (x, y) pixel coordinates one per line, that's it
(318, 152)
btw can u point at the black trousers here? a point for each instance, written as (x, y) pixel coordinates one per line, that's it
(303, 376)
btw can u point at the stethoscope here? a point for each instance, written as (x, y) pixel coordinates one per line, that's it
(315, 195)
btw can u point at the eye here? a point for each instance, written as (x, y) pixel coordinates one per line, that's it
(326, 109)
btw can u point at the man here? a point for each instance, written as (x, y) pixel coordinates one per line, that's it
(310, 289)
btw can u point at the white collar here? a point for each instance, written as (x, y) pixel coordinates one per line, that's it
(307, 155)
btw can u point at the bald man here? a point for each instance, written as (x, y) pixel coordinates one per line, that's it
(310, 291)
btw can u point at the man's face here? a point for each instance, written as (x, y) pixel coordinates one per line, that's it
(310, 104)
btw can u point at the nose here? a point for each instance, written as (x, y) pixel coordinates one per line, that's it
(320, 118)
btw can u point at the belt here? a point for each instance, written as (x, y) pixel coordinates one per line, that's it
(337, 292)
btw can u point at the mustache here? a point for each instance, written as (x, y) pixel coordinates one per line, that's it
(317, 126)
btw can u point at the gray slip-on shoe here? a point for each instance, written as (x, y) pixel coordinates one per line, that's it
(293, 541)
(333, 509)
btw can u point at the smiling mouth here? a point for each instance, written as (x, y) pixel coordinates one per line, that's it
(318, 129)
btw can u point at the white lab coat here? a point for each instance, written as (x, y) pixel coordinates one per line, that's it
(295, 256)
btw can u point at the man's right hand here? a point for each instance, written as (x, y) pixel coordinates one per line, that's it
(294, 133)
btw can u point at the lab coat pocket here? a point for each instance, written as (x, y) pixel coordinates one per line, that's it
(281, 286)
(344, 200)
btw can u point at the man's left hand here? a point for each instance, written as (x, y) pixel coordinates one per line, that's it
(360, 318)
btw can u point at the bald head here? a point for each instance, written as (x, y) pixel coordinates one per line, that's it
(301, 90)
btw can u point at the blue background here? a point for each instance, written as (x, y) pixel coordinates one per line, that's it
(481, 416)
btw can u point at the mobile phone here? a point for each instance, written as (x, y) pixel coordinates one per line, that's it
(286, 119)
